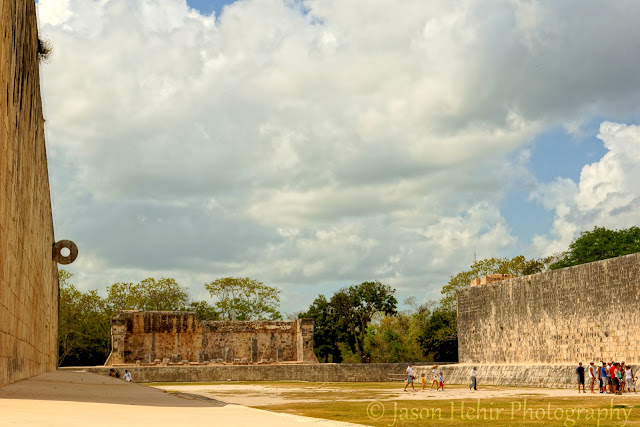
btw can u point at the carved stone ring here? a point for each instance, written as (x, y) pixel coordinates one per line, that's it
(57, 252)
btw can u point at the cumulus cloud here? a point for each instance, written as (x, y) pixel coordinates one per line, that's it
(607, 194)
(312, 143)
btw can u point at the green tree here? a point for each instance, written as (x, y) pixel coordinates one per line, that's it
(439, 338)
(395, 339)
(84, 334)
(164, 294)
(204, 310)
(598, 244)
(355, 307)
(327, 332)
(244, 299)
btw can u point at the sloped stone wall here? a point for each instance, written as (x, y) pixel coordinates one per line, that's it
(28, 275)
(585, 313)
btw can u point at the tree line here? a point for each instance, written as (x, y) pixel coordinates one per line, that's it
(357, 324)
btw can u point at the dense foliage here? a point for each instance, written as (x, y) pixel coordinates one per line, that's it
(243, 298)
(598, 244)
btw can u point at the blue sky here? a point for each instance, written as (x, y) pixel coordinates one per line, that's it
(207, 6)
(350, 141)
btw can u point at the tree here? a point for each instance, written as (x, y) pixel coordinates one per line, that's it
(439, 338)
(327, 332)
(204, 310)
(84, 334)
(355, 307)
(244, 299)
(394, 339)
(598, 244)
(164, 294)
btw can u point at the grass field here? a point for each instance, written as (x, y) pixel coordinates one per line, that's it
(385, 404)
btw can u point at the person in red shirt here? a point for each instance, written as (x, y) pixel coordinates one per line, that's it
(616, 383)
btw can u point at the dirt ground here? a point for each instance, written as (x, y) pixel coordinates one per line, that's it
(66, 398)
(261, 394)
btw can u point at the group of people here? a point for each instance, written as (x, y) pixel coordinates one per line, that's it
(116, 374)
(437, 379)
(613, 377)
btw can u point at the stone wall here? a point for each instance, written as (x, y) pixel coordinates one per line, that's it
(585, 313)
(153, 336)
(318, 372)
(560, 375)
(28, 275)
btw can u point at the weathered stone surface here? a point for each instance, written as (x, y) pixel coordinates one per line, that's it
(530, 375)
(178, 336)
(585, 313)
(320, 372)
(525, 375)
(28, 275)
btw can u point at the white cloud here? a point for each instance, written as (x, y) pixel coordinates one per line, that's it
(314, 142)
(607, 194)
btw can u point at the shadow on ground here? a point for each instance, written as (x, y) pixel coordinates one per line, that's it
(73, 386)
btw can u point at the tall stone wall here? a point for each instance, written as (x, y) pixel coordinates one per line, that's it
(28, 276)
(147, 336)
(585, 313)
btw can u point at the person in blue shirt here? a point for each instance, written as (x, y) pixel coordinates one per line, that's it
(580, 372)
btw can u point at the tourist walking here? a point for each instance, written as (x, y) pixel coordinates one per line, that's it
(580, 373)
(434, 377)
(592, 375)
(409, 373)
(440, 381)
(602, 375)
(473, 379)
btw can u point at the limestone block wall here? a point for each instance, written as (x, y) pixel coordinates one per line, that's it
(529, 375)
(145, 336)
(229, 340)
(319, 372)
(28, 275)
(577, 314)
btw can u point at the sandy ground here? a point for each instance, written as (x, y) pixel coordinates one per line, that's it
(66, 398)
(265, 395)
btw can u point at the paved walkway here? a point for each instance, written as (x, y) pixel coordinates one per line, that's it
(65, 398)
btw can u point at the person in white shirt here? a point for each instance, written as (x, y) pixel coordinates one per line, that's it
(473, 379)
(628, 378)
(434, 377)
(127, 375)
(592, 375)
(409, 377)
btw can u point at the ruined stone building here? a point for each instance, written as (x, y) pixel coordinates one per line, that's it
(176, 337)
(589, 312)
(28, 273)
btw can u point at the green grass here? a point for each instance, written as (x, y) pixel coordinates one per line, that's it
(483, 412)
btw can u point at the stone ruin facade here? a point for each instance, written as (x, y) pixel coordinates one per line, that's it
(589, 312)
(179, 338)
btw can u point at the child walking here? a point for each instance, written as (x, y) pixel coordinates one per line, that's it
(424, 382)
(440, 382)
